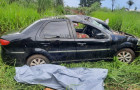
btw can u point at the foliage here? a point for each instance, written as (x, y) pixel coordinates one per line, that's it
(121, 20)
(120, 75)
(7, 81)
(94, 7)
(13, 17)
(43, 5)
(130, 3)
(19, 14)
(83, 10)
(88, 3)
(59, 3)
(113, 2)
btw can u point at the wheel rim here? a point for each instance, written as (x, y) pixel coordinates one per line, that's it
(37, 61)
(124, 56)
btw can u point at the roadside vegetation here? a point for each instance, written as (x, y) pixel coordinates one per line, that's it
(121, 20)
(17, 14)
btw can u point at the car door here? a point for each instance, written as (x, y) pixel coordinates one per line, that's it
(56, 39)
(93, 48)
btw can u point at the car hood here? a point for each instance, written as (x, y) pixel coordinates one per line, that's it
(122, 33)
(121, 37)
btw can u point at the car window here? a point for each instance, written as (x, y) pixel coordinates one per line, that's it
(99, 25)
(95, 33)
(56, 29)
(78, 25)
(88, 32)
(35, 26)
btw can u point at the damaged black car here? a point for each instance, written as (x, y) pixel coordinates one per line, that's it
(66, 39)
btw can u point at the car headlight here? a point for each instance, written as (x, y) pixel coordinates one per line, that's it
(138, 42)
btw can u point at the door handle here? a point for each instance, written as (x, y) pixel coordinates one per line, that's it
(82, 44)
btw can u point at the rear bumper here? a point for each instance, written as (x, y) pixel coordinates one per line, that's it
(12, 58)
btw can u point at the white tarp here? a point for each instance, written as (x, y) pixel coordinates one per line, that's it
(62, 78)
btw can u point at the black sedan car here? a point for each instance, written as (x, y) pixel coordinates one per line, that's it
(66, 39)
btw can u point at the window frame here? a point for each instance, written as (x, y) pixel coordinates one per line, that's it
(57, 20)
(90, 39)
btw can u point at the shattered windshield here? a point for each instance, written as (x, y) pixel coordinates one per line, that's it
(95, 23)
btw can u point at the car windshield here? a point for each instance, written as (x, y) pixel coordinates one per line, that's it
(95, 23)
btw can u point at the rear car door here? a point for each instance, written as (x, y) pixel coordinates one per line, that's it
(56, 40)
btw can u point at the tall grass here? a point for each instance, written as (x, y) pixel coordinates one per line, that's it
(13, 17)
(120, 76)
(128, 22)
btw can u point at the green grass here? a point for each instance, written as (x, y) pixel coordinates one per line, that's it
(15, 16)
(128, 22)
(120, 77)
(7, 81)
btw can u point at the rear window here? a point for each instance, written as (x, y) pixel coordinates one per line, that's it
(56, 29)
(33, 27)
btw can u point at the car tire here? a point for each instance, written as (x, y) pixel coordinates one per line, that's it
(37, 60)
(126, 55)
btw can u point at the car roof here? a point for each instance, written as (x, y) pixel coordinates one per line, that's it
(83, 18)
(76, 18)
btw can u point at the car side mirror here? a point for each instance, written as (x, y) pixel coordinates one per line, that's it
(100, 36)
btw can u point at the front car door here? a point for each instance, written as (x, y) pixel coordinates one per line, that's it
(56, 39)
(93, 47)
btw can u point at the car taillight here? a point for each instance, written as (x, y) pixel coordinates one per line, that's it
(4, 42)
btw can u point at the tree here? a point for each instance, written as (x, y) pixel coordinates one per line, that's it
(88, 3)
(135, 8)
(59, 2)
(43, 5)
(59, 5)
(130, 3)
(28, 1)
(113, 3)
(93, 7)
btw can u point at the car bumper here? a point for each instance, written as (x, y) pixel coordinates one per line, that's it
(11, 58)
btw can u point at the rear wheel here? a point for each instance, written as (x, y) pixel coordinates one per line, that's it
(126, 55)
(37, 60)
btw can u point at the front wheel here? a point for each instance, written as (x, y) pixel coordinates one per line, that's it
(37, 60)
(126, 55)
